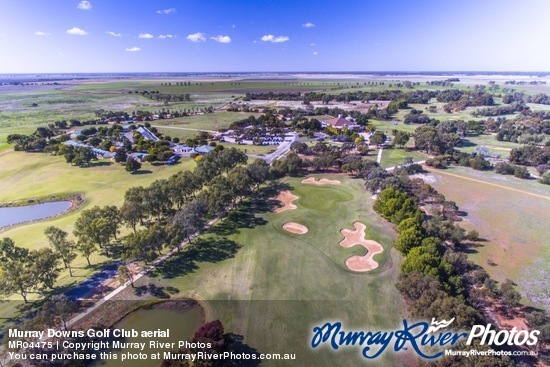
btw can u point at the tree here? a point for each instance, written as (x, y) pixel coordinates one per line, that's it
(86, 248)
(97, 226)
(57, 310)
(16, 273)
(378, 138)
(258, 171)
(121, 156)
(131, 214)
(509, 296)
(190, 219)
(45, 266)
(64, 247)
(125, 275)
(132, 165)
(401, 138)
(144, 244)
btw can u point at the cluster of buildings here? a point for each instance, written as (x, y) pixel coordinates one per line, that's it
(179, 150)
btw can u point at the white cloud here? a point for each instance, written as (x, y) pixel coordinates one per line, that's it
(308, 25)
(221, 39)
(165, 36)
(114, 34)
(84, 5)
(145, 35)
(166, 11)
(2, 35)
(233, 26)
(271, 38)
(77, 32)
(315, 53)
(312, 44)
(133, 49)
(39, 33)
(197, 37)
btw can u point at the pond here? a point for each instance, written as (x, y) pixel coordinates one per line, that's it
(182, 325)
(20, 214)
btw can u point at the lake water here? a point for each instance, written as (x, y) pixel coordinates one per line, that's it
(20, 214)
(182, 325)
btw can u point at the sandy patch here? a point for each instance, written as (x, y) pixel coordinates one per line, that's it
(426, 177)
(286, 197)
(323, 181)
(357, 237)
(295, 228)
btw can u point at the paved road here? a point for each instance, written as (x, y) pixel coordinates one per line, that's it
(183, 128)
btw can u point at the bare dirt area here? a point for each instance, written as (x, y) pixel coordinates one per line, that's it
(295, 228)
(323, 181)
(286, 197)
(357, 237)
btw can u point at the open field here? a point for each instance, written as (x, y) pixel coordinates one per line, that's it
(512, 223)
(394, 157)
(27, 175)
(255, 276)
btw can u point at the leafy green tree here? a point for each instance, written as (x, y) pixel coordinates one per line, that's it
(45, 266)
(64, 247)
(86, 248)
(16, 273)
(96, 226)
(401, 138)
(121, 156)
(144, 244)
(508, 294)
(191, 219)
(132, 165)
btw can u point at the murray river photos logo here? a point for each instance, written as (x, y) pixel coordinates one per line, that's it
(419, 336)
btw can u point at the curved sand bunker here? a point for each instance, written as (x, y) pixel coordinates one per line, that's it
(357, 237)
(286, 197)
(296, 228)
(323, 181)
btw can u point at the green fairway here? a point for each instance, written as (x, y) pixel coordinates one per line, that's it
(257, 277)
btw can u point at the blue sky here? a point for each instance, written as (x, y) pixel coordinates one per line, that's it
(238, 35)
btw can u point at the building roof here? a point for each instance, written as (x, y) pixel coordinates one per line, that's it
(147, 134)
(204, 149)
(339, 122)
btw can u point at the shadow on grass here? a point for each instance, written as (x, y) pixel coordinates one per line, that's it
(142, 172)
(244, 216)
(213, 246)
(210, 249)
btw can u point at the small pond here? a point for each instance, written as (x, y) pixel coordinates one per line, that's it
(19, 214)
(182, 325)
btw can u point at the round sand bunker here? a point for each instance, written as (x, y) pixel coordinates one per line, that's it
(323, 181)
(295, 228)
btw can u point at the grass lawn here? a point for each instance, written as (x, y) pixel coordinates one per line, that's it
(26, 175)
(268, 284)
(209, 121)
(512, 223)
(393, 157)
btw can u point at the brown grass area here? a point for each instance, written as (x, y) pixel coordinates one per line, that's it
(296, 228)
(323, 181)
(286, 197)
(357, 237)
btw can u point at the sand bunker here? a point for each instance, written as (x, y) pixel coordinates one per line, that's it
(323, 181)
(357, 237)
(295, 228)
(286, 197)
